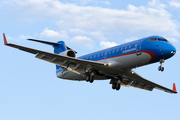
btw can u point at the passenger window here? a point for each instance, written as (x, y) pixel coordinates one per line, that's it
(105, 53)
(94, 56)
(125, 47)
(98, 55)
(130, 46)
(87, 58)
(109, 52)
(117, 50)
(102, 54)
(121, 48)
(113, 51)
(90, 57)
(135, 45)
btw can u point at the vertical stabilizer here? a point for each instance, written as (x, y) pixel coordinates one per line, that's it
(60, 48)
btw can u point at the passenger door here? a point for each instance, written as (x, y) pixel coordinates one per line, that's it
(138, 48)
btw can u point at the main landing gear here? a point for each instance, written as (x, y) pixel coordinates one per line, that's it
(90, 77)
(160, 68)
(116, 83)
(116, 86)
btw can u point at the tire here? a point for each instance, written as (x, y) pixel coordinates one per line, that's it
(91, 79)
(159, 68)
(114, 86)
(118, 86)
(162, 69)
(87, 78)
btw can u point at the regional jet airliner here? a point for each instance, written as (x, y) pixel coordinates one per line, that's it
(115, 63)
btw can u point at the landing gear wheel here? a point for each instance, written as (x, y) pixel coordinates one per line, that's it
(114, 86)
(162, 69)
(159, 68)
(118, 86)
(87, 78)
(91, 79)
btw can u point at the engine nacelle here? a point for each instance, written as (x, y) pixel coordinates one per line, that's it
(69, 53)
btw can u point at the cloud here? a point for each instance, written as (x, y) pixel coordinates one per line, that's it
(99, 35)
(156, 4)
(175, 4)
(25, 37)
(171, 39)
(133, 19)
(131, 39)
(104, 2)
(97, 22)
(62, 35)
(83, 41)
(12, 39)
(106, 44)
(84, 2)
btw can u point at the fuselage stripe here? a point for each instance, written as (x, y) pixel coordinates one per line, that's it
(149, 52)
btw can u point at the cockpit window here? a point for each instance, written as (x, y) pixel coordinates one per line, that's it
(157, 39)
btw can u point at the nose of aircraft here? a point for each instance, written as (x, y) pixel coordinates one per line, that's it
(173, 50)
(170, 51)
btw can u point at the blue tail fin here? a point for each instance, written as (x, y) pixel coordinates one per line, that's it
(61, 47)
(58, 49)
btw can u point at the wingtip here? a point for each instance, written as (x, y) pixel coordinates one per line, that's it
(5, 40)
(174, 87)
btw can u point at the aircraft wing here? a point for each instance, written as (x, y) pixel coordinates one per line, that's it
(76, 65)
(139, 82)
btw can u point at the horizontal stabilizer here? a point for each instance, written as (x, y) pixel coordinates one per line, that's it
(45, 42)
(50, 43)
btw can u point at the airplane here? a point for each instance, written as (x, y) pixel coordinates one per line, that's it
(115, 63)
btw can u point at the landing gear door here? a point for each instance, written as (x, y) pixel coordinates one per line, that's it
(138, 48)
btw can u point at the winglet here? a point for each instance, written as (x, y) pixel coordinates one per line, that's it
(5, 41)
(174, 87)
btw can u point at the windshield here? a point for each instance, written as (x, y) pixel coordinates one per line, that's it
(157, 39)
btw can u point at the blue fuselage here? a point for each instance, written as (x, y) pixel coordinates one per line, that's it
(157, 49)
(133, 54)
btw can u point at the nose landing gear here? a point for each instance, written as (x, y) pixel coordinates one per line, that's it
(160, 68)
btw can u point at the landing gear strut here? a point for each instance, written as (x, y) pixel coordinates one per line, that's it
(160, 68)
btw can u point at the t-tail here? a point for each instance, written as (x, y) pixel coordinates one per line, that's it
(59, 48)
